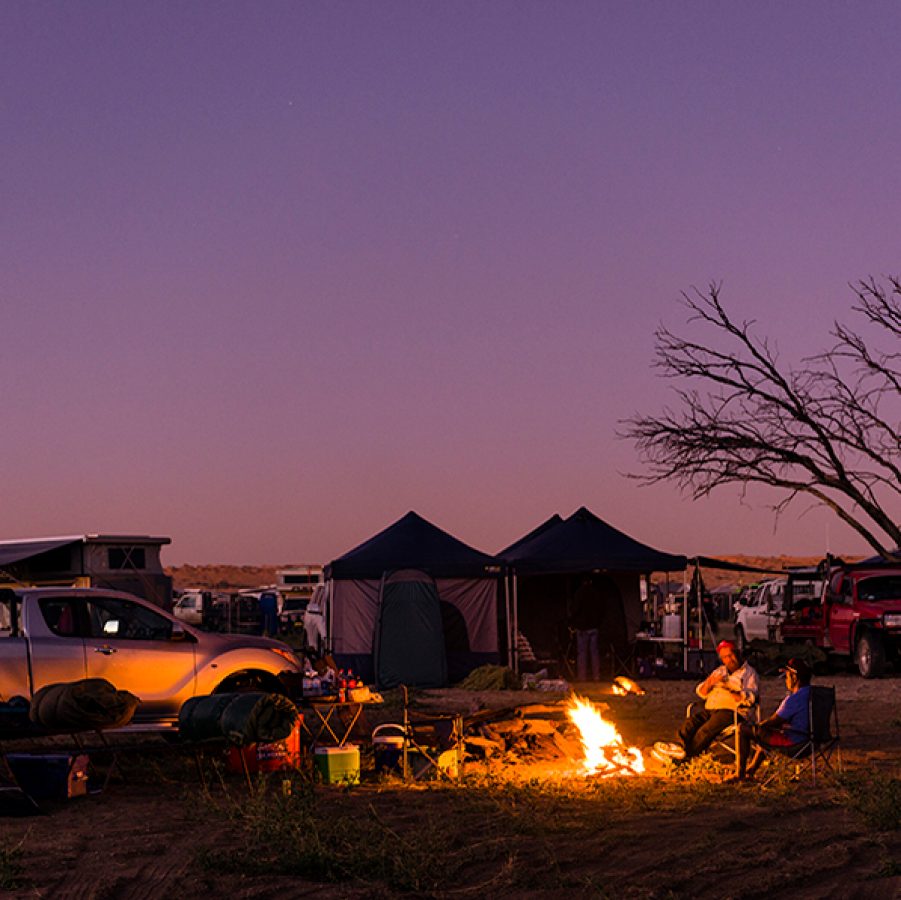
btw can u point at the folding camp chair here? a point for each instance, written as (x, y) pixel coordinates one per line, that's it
(728, 741)
(819, 743)
(433, 743)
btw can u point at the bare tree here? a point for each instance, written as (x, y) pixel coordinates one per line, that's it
(828, 428)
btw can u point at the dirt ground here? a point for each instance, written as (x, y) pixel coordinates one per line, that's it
(160, 834)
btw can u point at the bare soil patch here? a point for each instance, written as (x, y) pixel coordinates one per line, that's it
(159, 834)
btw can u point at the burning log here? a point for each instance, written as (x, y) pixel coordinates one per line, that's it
(552, 732)
(605, 751)
(622, 686)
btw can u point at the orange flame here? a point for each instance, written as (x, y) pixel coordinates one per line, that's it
(605, 751)
(623, 685)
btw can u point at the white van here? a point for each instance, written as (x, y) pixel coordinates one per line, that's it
(760, 617)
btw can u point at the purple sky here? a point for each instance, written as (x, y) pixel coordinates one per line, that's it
(274, 274)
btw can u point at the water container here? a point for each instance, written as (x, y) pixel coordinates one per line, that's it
(337, 765)
(672, 626)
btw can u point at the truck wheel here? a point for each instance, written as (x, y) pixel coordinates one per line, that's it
(870, 655)
(741, 641)
(250, 683)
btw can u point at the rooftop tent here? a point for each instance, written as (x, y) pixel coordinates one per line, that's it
(582, 543)
(466, 581)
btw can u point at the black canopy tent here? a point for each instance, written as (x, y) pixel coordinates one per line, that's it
(547, 560)
(413, 542)
(465, 582)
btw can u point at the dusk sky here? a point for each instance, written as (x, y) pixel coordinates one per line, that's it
(275, 273)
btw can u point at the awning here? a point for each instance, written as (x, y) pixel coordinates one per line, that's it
(17, 551)
(709, 562)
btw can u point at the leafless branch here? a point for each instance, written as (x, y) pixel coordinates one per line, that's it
(829, 429)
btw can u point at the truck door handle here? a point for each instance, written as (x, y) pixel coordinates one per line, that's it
(106, 651)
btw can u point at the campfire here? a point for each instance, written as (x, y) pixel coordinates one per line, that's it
(623, 686)
(560, 734)
(605, 751)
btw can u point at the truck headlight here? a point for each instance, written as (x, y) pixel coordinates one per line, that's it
(892, 620)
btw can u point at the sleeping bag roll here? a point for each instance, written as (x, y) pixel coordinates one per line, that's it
(241, 719)
(258, 718)
(88, 704)
(199, 718)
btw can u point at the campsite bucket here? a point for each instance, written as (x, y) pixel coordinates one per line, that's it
(267, 757)
(337, 765)
(387, 748)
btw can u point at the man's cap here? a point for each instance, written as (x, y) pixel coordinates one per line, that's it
(798, 666)
(726, 645)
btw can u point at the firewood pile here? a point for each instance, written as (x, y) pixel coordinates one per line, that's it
(533, 733)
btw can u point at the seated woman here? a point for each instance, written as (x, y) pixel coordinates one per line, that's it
(785, 728)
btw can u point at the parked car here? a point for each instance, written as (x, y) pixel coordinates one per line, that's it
(857, 616)
(760, 616)
(291, 613)
(49, 635)
(189, 607)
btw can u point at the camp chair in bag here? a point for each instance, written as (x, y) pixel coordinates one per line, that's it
(433, 743)
(819, 743)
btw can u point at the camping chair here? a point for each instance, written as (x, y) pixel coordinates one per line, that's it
(818, 744)
(530, 662)
(432, 743)
(728, 741)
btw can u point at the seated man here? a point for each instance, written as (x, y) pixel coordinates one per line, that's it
(788, 726)
(735, 684)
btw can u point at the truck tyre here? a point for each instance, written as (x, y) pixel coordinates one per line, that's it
(250, 683)
(870, 655)
(741, 642)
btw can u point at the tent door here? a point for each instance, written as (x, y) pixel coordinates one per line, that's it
(409, 637)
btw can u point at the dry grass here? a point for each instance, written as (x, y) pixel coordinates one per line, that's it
(11, 867)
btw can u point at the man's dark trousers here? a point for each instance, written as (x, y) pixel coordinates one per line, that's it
(699, 730)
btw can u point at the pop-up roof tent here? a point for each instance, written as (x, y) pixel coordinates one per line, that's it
(413, 605)
(552, 561)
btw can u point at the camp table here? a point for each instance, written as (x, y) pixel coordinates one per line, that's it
(331, 718)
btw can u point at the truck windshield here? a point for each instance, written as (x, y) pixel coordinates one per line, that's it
(883, 587)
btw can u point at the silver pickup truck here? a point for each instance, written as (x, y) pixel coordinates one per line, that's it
(49, 635)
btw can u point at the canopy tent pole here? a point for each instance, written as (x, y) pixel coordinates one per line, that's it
(515, 624)
(507, 620)
(700, 617)
(329, 602)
